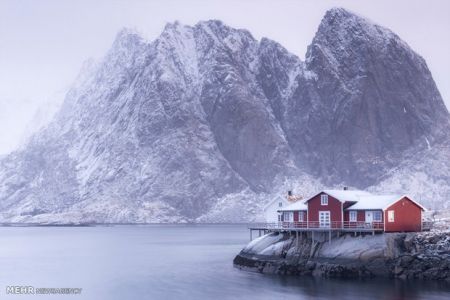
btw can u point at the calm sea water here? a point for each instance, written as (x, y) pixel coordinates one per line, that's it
(166, 262)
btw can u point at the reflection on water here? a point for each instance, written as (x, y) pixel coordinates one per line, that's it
(167, 262)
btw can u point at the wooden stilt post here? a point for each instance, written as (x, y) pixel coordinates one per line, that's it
(312, 242)
(329, 236)
(250, 235)
(297, 238)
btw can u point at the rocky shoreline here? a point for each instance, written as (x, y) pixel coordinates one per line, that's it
(394, 255)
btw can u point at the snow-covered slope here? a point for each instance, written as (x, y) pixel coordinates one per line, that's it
(425, 175)
(205, 123)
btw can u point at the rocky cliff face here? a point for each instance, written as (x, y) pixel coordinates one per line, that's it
(205, 122)
(406, 256)
(376, 97)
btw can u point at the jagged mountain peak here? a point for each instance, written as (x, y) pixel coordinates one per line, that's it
(184, 42)
(222, 30)
(174, 25)
(214, 28)
(176, 30)
(126, 32)
(339, 17)
(341, 30)
(127, 38)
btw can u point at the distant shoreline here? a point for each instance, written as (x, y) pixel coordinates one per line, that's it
(109, 224)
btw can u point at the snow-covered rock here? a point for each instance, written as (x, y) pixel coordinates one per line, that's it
(411, 255)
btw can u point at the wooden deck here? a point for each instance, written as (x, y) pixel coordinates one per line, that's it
(337, 227)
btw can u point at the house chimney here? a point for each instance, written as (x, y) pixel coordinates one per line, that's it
(345, 188)
(289, 193)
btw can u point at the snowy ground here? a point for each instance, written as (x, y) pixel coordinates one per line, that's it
(440, 219)
(349, 247)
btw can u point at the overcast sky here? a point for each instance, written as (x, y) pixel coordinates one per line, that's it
(44, 43)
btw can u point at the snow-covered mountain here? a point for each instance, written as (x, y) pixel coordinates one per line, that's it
(205, 123)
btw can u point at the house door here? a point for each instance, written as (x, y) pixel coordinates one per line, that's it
(324, 218)
(369, 216)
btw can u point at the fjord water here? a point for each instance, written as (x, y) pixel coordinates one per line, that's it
(166, 262)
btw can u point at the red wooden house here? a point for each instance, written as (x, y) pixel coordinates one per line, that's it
(345, 209)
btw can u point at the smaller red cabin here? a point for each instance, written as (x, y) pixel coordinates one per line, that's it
(403, 215)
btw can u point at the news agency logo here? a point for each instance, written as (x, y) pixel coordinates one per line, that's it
(19, 289)
(30, 290)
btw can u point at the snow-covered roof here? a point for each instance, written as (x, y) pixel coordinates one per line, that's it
(374, 201)
(299, 205)
(345, 195)
(379, 202)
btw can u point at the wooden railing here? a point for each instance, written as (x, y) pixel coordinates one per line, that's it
(359, 225)
(427, 225)
(320, 225)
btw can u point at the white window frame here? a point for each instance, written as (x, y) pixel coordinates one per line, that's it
(325, 225)
(391, 216)
(324, 199)
(280, 204)
(300, 216)
(289, 216)
(353, 216)
(377, 213)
